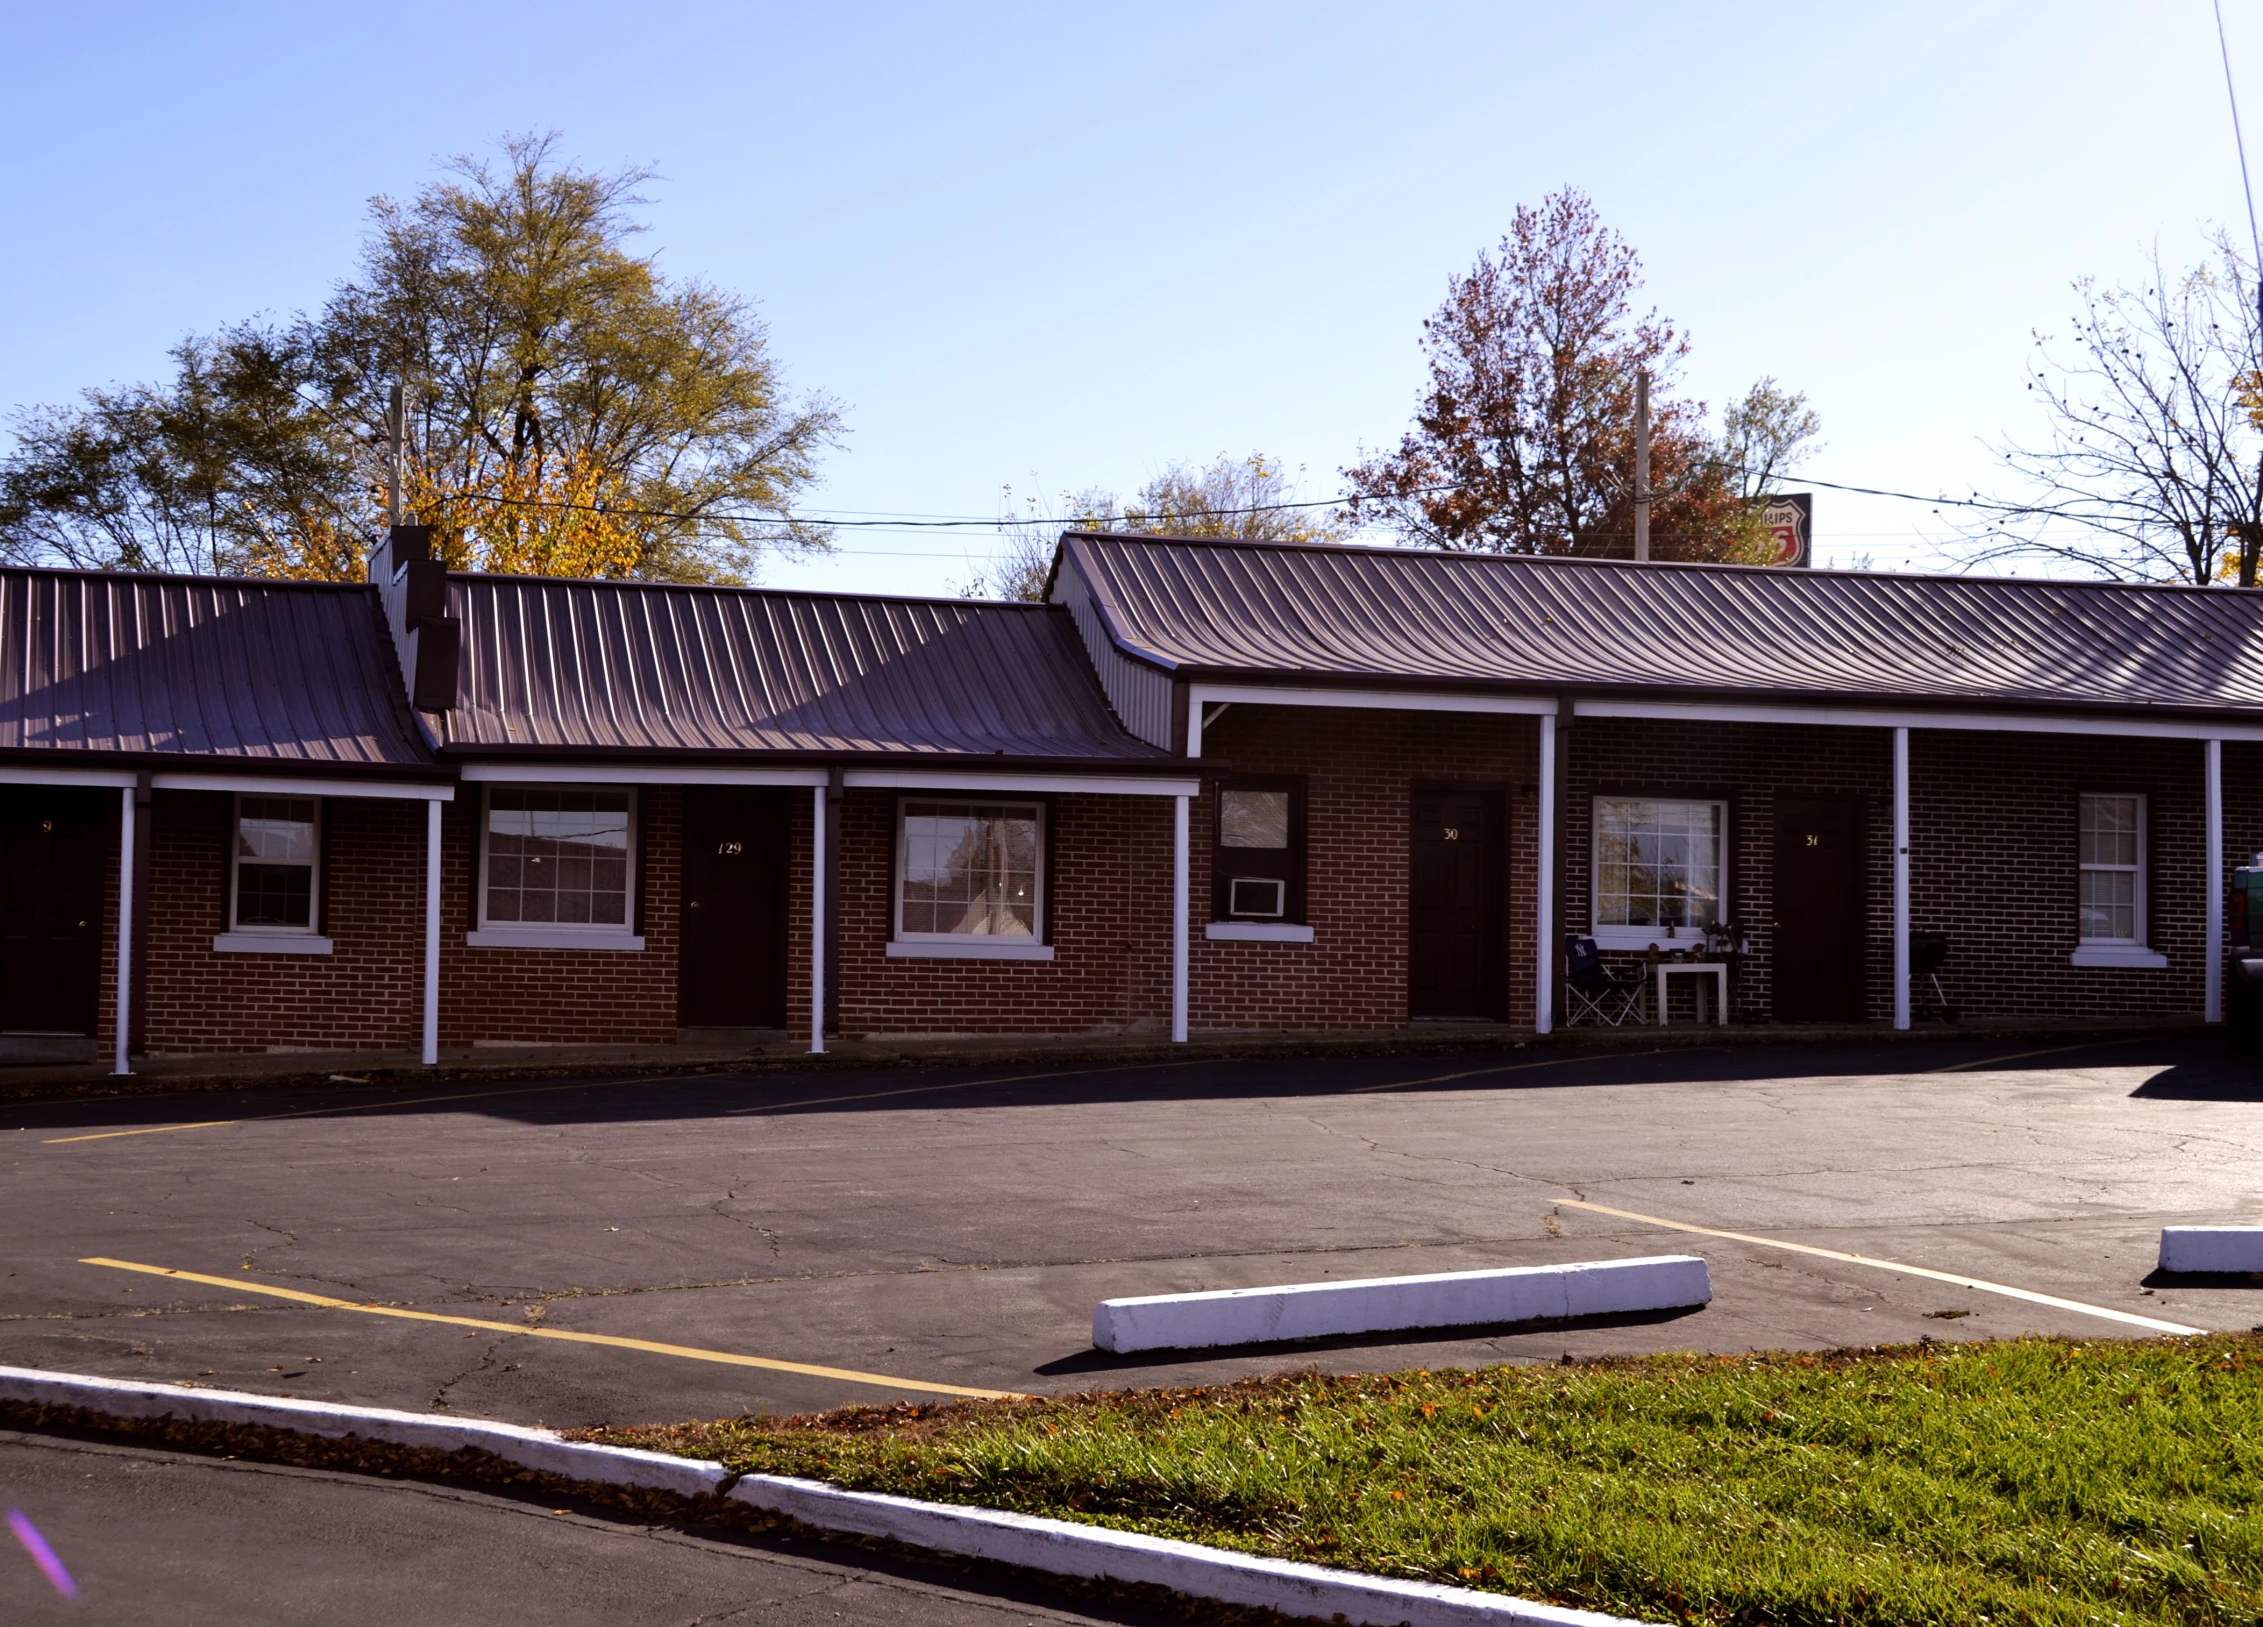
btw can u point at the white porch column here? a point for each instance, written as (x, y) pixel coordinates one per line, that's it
(1544, 890)
(431, 1046)
(1179, 922)
(817, 967)
(2213, 965)
(122, 1017)
(1901, 878)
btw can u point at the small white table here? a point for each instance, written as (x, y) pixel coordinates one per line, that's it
(1718, 970)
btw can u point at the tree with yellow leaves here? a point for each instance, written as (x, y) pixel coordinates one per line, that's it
(572, 410)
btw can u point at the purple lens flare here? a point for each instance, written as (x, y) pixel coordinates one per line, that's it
(41, 1555)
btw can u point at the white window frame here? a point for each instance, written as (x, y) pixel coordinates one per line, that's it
(2135, 951)
(273, 940)
(1642, 937)
(904, 945)
(622, 937)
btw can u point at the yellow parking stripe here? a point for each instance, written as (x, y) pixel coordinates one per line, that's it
(2056, 1050)
(1519, 1067)
(961, 1084)
(2153, 1323)
(350, 1107)
(649, 1347)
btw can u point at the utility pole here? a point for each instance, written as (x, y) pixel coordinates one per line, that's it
(396, 454)
(1642, 463)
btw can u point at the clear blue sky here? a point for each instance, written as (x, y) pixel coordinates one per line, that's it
(1072, 243)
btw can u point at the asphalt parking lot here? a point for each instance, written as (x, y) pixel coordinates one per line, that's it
(168, 1541)
(594, 1251)
(803, 1241)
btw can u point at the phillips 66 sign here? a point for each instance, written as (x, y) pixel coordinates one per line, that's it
(1790, 520)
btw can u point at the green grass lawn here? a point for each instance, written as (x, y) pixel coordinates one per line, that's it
(2030, 1481)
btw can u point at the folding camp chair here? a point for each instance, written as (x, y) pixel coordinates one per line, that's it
(1594, 993)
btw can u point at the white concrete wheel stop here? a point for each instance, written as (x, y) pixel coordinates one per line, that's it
(2230, 1250)
(1451, 1299)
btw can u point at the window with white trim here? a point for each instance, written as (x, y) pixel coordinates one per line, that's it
(969, 869)
(2112, 858)
(557, 858)
(277, 860)
(1660, 869)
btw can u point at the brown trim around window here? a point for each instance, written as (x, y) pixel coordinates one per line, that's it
(1287, 865)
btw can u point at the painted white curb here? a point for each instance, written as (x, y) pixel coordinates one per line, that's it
(539, 1449)
(1065, 1548)
(2212, 1248)
(1059, 1547)
(1314, 1310)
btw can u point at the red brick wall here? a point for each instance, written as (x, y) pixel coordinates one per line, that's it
(1993, 864)
(562, 996)
(1992, 838)
(363, 996)
(1361, 768)
(1108, 893)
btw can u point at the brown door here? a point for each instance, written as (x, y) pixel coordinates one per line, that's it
(1455, 907)
(52, 849)
(1817, 936)
(734, 956)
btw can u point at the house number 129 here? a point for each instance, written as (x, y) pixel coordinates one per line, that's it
(728, 850)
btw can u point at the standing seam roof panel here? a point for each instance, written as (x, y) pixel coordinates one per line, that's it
(649, 667)
(1284, 612)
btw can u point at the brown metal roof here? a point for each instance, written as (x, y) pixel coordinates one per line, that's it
(162, 668)
(1473, 621)
(558, 666)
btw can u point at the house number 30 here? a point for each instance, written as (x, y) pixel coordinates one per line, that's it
(1452, 834)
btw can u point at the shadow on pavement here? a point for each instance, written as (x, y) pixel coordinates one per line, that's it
(2215, 1073)
(2193, 1067)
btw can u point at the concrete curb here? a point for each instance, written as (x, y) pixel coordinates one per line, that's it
(1057, 1547)
(1315, 1310)
(543, 1450)
(2226, 1249)
(1065, 1548)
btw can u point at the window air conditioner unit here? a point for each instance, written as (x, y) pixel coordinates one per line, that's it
(1252, 895)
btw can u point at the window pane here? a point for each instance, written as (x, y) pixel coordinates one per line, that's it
(1253, 819)
(279, 828)
(274, 895)
(558, 856)
(1658, 863)
(2109, 830)
(2109, 904)
(971, 868)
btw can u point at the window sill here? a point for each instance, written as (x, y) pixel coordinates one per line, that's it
(271, 943)
(968, 948)
(2127, 956)
(538, 937)
(1257, 932)
(1639, 938)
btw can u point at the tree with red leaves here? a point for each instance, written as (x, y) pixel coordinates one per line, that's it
(1524, 441)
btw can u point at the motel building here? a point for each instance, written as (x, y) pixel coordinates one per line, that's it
(1207, 788)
